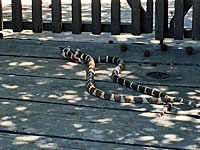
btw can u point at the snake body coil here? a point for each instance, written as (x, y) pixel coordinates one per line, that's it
(158, 97)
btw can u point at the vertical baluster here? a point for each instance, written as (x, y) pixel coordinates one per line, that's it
(76, 17)
(115, 17)
(96, 16)
(149, 19)
(196, 20)
(56, 16)
(1, 16)
(166, 17)
(17, 15)
(37, 16)
(136, 7)
(179, 20)
(160, 19)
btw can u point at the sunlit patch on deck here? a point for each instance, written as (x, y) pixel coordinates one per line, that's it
(168, 138)
(24, 63)
(20, 108)
(7, 86)
(7, 123)
(146, 138)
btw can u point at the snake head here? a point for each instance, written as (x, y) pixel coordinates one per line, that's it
(64, 51)
(61, 48)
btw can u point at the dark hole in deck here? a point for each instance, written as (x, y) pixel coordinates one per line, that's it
(158, 75)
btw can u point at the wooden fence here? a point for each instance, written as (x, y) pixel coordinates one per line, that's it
(176, 29)
(142, 20)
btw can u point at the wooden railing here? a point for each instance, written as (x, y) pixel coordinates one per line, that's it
(77, 26)
(176, 29)
(141, 20)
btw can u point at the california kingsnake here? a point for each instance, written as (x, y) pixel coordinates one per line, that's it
(158, 97)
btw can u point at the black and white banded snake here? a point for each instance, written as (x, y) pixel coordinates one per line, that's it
(158, 97)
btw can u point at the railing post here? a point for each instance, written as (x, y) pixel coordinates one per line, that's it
(146, 17)
(179, 20)
(196, 20)
(161, 19)
(136, 7)
(115, 17)
(148, 26)
(56, 16)
(37, 16)
(17, 15)
(1, 16)
(96, 16)
(76, 17)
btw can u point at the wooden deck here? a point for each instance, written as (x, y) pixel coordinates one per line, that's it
(44, 103)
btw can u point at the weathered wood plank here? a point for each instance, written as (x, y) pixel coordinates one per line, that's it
(134, 54)
(99, 125)
(37, 16)
(56, 16)
(115, 17)
(196, 20)
(1, 16)
(17, 15)
(135, 16)
(76, 17)
(179, 75)
(179, 20)
(96, 16)
(73, 92)
(28, 141)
